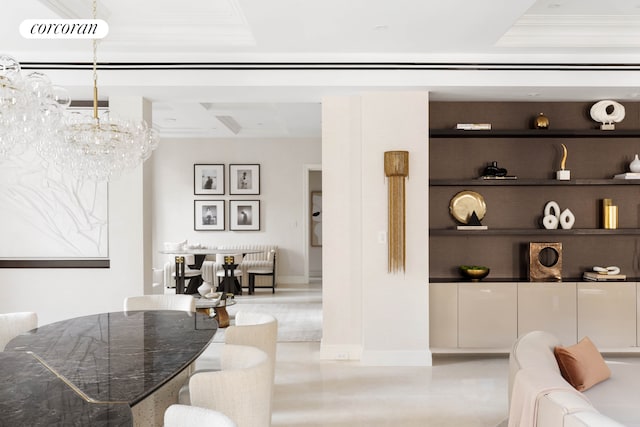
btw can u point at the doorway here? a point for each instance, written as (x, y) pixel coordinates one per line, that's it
(313, 222)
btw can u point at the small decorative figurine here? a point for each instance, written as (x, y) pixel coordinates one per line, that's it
(607, 112)
(541, 122)
(563, 174)
(493, 170)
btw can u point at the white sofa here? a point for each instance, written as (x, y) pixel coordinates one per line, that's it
(540, 397)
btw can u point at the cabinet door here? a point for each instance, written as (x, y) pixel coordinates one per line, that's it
(443, 315)
(487, 315)
(548, 307)
(607, 313)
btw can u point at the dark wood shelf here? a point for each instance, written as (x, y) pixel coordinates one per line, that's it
(534, 232)
(529, 182)
(534, 133)
(521, 280)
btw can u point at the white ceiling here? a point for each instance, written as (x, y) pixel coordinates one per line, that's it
(207, 65)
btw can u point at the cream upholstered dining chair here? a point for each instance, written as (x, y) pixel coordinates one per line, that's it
(14, 324)
(257, 330)
(192, 416)
(179, 302)
(241, 390)
(250, 328)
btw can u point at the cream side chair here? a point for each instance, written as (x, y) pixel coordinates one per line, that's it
(262, 268)
(14, 324)
(241, 390)
(253, 329)
(263, 261)
(258, 330)
(178, 302)
(192, 416)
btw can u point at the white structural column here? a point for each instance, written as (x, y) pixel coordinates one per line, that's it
(377, 317)
(135, 190)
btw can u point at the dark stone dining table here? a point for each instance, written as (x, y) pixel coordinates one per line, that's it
(91, 370)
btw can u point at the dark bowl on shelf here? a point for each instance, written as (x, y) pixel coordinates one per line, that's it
(474, 273)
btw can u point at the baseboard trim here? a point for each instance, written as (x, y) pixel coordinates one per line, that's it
(291, 280)
(340, 352)
(397, 358)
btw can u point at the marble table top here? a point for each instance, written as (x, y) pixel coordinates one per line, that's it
(96, 367)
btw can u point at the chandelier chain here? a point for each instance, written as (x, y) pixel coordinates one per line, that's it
(95, 65)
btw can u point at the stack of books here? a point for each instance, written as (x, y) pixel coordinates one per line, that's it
(473, 126)
(628, 175)
(593, 276)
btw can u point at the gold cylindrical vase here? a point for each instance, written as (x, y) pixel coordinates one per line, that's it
(611, 217)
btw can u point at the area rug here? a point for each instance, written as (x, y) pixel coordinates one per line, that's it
(297, 322)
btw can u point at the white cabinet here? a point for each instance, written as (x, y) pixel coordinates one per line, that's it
(443, 315)
(607, 314)
(487, 315)
(548, 307)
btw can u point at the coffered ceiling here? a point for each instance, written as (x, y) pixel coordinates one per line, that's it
(256, 68)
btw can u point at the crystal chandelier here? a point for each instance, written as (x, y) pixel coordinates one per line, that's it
(101, 147)
(31, 108)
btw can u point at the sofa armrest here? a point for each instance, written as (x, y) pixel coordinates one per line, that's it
(589, 419)
(555, 405)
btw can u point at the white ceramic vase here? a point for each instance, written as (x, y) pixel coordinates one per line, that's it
(567, 219)
(550, 222)
(634, 166)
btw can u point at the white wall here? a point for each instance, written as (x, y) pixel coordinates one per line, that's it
(281, 196)
(387, 314)
(57, 294)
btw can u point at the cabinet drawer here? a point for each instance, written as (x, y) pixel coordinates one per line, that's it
(607, 313)
(548, 307)
(487, 315)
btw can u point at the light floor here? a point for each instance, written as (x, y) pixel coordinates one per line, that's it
(460, 391)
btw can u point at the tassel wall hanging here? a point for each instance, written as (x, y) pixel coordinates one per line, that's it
(396, 168)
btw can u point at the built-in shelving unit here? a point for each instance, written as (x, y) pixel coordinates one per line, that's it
(528, 182)
(490, 314)
(535, 232)
(533, 133)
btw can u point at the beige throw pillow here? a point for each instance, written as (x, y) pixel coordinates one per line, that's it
(582, 364)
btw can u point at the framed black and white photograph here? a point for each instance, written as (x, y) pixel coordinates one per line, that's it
(208, 179)
(244, 215)
(208, 215)
(244, 179)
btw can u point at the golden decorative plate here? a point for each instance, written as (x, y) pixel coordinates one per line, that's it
(464, 203)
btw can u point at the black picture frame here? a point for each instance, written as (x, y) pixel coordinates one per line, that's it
(244, 215)
(208, 215)
(244, 179)
(208, 179)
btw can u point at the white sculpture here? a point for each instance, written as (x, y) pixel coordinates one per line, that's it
(567, 219)
(600, 114)
(553, 217)
(550, 222)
